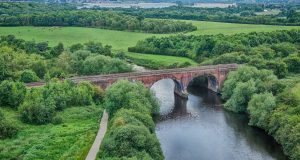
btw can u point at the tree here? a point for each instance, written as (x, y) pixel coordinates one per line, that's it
(76, 47)
(129, 141)
(124, 94)
(57, 50)
(12, 93)
(28, 76)
(241, 96)
(260, 108)
(36, 109)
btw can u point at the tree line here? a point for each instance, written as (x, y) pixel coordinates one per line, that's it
(97, 19)
(242, 13)
(277, 51)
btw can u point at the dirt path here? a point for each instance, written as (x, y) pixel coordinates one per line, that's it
(101, 132)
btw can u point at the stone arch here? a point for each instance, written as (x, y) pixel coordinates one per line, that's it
(212, 81)
(179, 87)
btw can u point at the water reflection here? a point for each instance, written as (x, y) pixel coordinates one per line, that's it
(200, 129)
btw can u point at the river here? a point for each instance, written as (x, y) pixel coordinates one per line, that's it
(203, 130)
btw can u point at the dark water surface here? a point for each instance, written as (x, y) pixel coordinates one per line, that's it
(202, 130)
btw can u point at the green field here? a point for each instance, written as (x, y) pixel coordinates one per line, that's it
(70, 140)
(73, 35)
(121, 40)
(232, 28)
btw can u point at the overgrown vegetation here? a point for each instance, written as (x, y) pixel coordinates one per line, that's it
(131, 128)
(271, 104)
(58, 120)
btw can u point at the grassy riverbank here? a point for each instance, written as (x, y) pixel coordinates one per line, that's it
(70, 140)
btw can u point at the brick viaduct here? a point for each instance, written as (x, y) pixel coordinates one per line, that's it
(216, 74)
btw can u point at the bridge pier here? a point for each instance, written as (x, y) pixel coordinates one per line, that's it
(183, 94)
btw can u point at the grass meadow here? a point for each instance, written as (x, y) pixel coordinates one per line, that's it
(70, 140)
(121, 40)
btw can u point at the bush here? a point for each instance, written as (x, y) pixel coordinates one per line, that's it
(57, 120)
(129, 141)
(12, 93)
(83, 94)
(28, 76)
(7, 129)
(260, 108)
(60, 92)
(124, 94)
(36, 109)
(129, 116)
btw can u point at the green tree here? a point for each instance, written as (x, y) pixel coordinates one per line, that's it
(12, 93)
(259, 108)
(36, 109)
(28, 76)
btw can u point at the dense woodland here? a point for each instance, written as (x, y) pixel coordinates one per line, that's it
(242, 13)
(278, 50)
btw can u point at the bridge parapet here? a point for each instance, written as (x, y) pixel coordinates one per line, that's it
(148, 78)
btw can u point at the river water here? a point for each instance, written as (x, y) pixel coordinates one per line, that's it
(200, 129)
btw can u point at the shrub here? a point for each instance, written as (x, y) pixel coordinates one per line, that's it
(57, 120)
(129, 116)
(28, 76)
(7, 129)
(60, 92)
(36, 109)
(83, 94)
(124, 94)
(260, 108)
(12, 93)
(129, 141)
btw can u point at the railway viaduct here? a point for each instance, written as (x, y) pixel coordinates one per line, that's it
(216, 75)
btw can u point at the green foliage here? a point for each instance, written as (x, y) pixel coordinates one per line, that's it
(241, 96)
(131, 128)
(76, 47)
(244, 74)
(98, 48)
(124, 94)
(130, 140)
(262, 50)
(293, 62)
(84, 94)
(7, 129)
(12, 93)
(253, 13)
(28, 76)
(36, 109)
(100, 64)
(41, 104)
(99, 19)
(130, 116)
(259, 108)
(271, 104)
(70, 140)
